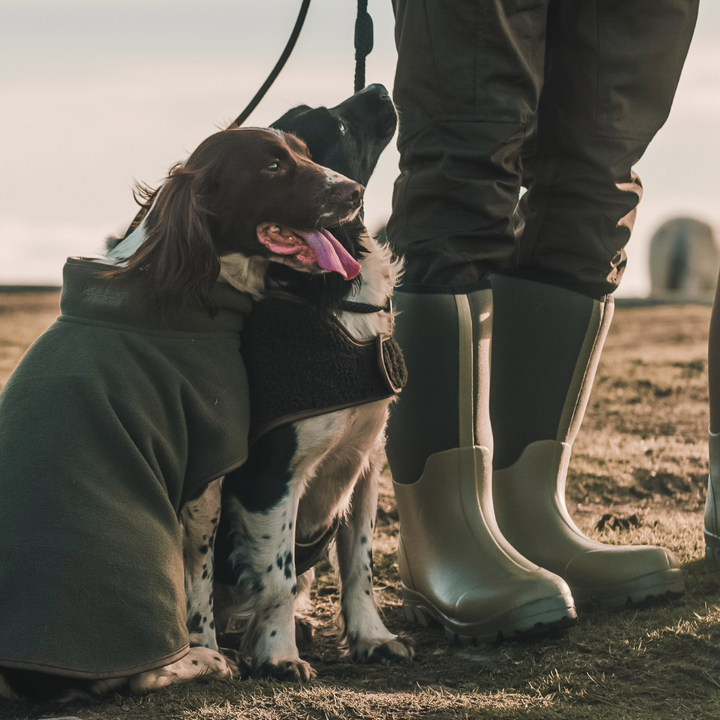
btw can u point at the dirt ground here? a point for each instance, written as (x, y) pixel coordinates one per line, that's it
(638, 475)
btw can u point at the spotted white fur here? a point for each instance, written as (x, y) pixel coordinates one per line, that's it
(200, 662)
(380, 274)
(199, 522)
(333, 177)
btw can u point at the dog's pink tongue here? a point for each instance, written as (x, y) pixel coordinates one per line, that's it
(331, 254)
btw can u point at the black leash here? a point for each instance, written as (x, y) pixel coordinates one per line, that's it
(363, 47)
(363, 43)
(364, 40)
(243, 116)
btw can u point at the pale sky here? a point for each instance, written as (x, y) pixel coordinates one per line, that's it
(97, 93)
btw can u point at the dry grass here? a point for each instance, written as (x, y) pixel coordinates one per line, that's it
(23, 316)
(641, 458)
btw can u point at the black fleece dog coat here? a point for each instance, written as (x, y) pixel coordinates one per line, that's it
(302, 362)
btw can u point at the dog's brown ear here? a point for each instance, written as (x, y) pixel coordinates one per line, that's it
(177, 259)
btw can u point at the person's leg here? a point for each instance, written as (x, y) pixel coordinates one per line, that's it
(468, 79)
(712, 503)
(454, 563)
(612, 69)
(714, 364)
(546, 347)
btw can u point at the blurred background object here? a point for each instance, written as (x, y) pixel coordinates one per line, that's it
(684, 261)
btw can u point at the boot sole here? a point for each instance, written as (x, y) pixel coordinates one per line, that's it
(536, 618)
(654, 586)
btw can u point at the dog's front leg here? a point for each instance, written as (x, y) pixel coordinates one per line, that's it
(272, 629)
(199, 521)
(367, 637)
(260, 503)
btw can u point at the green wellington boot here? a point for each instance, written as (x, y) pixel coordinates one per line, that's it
(712, 503)
(546, 348)
(454, 563)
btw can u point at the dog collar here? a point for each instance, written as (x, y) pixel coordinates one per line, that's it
(365, 308)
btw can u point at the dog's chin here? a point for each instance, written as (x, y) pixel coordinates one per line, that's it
(388, 128)
(351, 215)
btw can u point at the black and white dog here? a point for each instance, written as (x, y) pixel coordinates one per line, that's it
(313, 470)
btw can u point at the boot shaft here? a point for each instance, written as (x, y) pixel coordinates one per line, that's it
(547, 343)
(446, 343)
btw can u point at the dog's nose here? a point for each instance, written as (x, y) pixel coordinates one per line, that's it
(349, 192)
(378, 89)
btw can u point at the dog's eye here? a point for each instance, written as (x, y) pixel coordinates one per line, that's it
(274, 166)
(342, 127)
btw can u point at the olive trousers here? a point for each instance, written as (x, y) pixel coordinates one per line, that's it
(561, 97)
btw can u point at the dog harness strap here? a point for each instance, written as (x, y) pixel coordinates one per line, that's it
(307, 554)
(365, 308)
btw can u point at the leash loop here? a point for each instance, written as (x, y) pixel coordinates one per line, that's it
(363, 43)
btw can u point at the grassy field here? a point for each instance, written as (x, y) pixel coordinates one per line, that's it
(638, 475)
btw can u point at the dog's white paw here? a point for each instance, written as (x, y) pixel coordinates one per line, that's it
(294, 670)
(400, 648)
(200, 662)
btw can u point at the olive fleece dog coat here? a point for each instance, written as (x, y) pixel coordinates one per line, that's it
(111, 421)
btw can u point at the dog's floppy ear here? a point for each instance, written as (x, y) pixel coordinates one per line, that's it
(178, 259)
